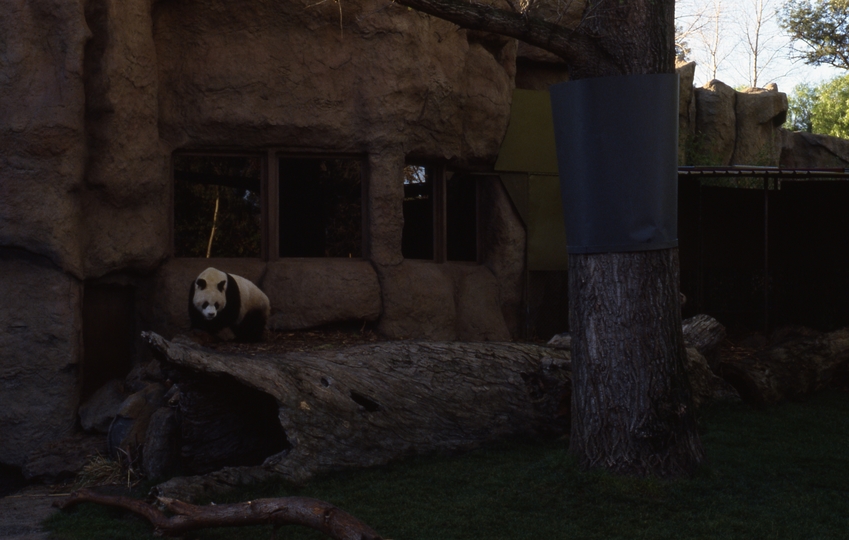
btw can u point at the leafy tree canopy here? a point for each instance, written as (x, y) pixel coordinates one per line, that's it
(821, 109)
(822, 26)
(801, 102)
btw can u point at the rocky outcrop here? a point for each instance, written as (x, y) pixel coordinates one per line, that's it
(760, 113)
(40, 327)
(686, 108)
(803, 150)
(714, 135)
(97, 413)
(721, 126)
(42, 129)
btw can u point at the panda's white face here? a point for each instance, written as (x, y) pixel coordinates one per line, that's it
(210, 293)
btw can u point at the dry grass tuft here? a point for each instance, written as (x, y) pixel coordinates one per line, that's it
(104, 471)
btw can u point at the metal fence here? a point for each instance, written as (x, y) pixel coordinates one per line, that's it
(760, 247)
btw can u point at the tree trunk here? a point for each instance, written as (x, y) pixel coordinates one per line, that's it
(367, 405)
(632, 406)
(650, 430)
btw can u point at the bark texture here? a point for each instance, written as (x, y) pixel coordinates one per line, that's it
(312, 513)
(793, 367)
(606, 41)
(705, 333)
(632, 410)
(367, 405)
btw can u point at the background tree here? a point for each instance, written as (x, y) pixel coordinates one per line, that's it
(821, 109)
(820, 29)
(762, 45)
(716, 46)
(800, 106)
(631, 404)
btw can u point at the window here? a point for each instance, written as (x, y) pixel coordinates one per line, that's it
(417, 238)
(267, 205)
(217, 206)
(440, 214)
(320, 207)
(461, 217)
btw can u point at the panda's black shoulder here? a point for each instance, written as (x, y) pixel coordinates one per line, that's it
(230, 313)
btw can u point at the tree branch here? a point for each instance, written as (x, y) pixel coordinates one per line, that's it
(575, 47)
(312, 513)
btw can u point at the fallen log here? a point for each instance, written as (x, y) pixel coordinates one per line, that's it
(705, 334)
(795, 366)
(312, 513)
(367, 405)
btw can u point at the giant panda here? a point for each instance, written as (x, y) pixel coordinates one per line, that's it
(218, 300)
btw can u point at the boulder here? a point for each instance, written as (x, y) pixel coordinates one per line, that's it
(40, 347)
(97, 413)
(312, 292)
(686, 108)
(161, 455)
(807, 150)
(446, 302)
(759, 112)
(418, 301)
(479, 316)
(716, 125)
(42, 130)
(63, 458)
(129, 428)
(127, 176)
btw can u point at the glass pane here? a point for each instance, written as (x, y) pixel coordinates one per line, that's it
(461, 216)
(320, 207)
(217, 210)
(417, 238)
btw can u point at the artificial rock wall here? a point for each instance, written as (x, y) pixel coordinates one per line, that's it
(720, 126)
(97, 95)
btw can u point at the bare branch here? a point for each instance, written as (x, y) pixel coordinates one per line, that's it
(312, 513)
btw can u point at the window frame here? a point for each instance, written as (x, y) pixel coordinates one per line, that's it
(270, 196)
(441, 175)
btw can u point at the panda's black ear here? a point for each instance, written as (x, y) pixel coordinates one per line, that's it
(221, 285)
(201, 284)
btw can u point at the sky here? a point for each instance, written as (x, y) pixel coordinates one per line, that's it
(735, 16)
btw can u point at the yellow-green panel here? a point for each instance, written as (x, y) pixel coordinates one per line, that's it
(529, 143)
(546, 232)
(517, 187)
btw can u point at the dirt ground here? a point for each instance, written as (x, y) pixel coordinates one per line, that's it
(21, 513)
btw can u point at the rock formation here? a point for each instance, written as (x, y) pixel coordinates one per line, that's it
(99, 95)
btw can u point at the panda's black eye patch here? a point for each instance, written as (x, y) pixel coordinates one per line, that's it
(216, 305)
(205, 304)
(201, 283)
(221, 286)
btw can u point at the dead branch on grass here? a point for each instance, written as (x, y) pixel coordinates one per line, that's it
(312, 513)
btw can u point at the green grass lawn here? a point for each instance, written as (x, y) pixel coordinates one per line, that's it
(775, 473)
